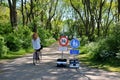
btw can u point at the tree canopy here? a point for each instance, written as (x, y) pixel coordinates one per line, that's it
(88, 19)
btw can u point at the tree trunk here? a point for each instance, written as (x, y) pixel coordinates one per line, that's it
(22, 11)
(31, 9)
(118, 9)
(26, 13)
(100, 17)
(51, 13)
(108, 20)
(13, 13)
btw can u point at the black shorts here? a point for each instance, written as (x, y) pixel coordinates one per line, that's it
(38, 50)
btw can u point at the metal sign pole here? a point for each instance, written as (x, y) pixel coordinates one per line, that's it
(63, 41)
(62, 54)
(74, 56)
(74, 43)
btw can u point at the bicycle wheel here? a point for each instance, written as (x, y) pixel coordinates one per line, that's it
(36, 59)
(40, 55)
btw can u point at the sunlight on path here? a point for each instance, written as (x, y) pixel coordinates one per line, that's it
(23, 69)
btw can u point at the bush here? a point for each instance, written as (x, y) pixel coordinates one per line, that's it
(44, 36)
(49, 41)
(84, 40)
(3, 48)
(12, 42)
(116, 36)
(5, 28)
(19, 38)
(100, 50)
(106, 48)
(92, 50)
(24, 35)
(118, 55)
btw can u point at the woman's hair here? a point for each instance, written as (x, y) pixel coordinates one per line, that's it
(35, 36)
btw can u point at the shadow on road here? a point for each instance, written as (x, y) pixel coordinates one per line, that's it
(23, 69)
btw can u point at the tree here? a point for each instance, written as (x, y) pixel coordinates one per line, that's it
(1, 1)
(96, 16)
(13, 13)
(85, 13)
(51, 13)
(100, 17)
(22, 11)
(109, 19)
(118, 9)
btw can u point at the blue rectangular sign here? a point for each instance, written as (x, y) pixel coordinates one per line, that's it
(74, 52)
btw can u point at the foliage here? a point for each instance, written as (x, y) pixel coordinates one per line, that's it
(56, 27)
(105, 49)
(86, 18)
(44, 35)
(12, 42)
(17, 54)
(4, 14)
(49, 41)
(84, 40)
(118, 55)
(111, 65)
(5, 28)
(116, 33)
(3, 48)
(24, 35)
(19, 38)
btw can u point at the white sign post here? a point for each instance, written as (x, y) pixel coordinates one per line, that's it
(63, 42)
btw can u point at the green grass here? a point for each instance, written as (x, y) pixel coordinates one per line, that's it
(22, 52)
(17, 54)
(111, 65)
(49, 41)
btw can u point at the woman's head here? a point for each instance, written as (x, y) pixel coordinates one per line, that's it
(35, 36)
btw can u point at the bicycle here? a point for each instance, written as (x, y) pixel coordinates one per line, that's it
(37, 57)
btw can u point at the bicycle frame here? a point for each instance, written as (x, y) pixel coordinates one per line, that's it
(37, 57)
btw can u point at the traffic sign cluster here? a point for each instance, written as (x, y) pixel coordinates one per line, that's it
(74, 43)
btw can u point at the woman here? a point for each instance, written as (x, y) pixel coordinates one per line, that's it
(36, 43)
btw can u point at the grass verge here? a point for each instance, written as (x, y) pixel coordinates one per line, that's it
(22, 52)
(111, 65)
(17, 54)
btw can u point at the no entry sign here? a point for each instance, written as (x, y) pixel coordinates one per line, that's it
(63, 41)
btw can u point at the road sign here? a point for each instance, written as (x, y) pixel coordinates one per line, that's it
(63, 48)
(63, 41)
(74, 52)
(74, 63)
(74, 43)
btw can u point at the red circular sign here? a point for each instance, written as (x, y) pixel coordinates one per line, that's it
(63, 41)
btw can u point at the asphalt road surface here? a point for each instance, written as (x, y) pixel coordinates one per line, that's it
(23, 69)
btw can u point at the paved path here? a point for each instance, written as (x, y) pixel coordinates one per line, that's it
(23, 69)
